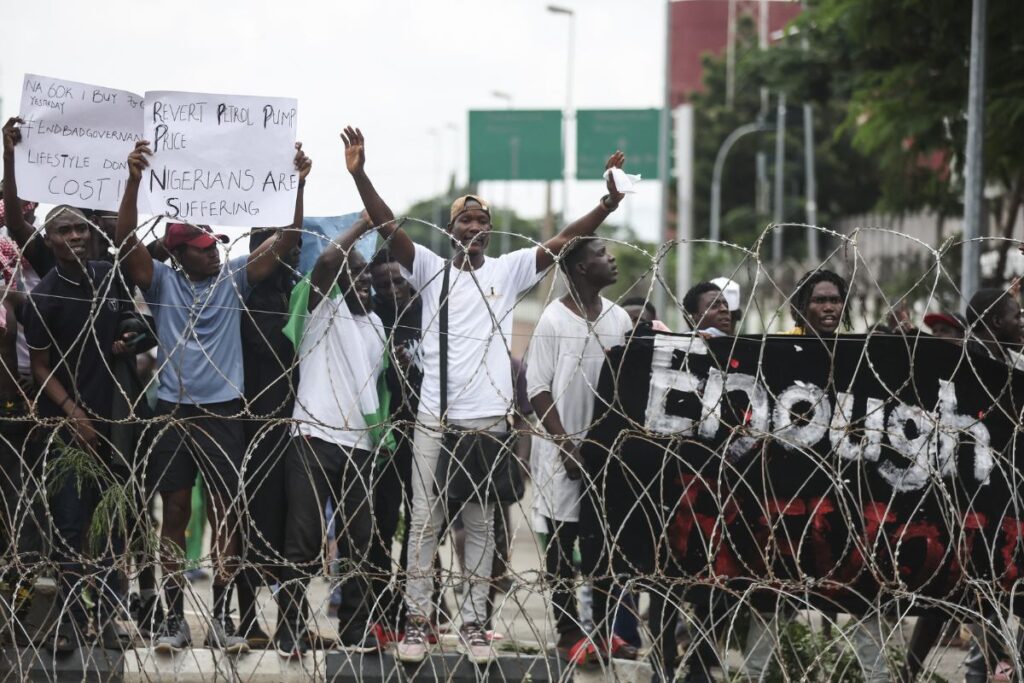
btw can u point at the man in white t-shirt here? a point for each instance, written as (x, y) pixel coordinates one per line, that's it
(566, 355)
(335, 437)
(482, 294)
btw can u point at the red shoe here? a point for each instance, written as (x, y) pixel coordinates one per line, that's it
(385, 636)
(618, 649)
(583, 652)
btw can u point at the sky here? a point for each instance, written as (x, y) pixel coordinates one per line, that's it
(398, 69)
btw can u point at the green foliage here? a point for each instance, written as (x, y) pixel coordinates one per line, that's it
(73, 462)
(898, 69)
(115, 513)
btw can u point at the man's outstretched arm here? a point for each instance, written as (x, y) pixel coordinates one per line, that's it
(135, 259)
(586, 225)
(380, 213)
(263, 261)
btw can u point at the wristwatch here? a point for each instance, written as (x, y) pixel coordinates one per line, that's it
(608, 204)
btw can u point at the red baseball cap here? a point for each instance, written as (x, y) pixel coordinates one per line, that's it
(199, 236)
(946, 319)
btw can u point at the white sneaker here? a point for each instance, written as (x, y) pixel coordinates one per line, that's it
(473, 643)
(412, 648)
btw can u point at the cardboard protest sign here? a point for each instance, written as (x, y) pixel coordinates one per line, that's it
(75, 140)
(222, 159)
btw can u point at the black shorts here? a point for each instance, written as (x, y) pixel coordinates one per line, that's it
(206, 438)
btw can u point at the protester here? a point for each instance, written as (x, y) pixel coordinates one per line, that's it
(566, 355)
(641, 310)
(819, 304)
(14, 425)
(994, 325)
(706, 306)
(341, 407)
(198, 306)
(271, 375)
(946, 325)
(400, 311)
(76, 379)
(482, 294)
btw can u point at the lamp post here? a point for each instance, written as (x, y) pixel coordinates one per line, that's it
(513, 171)
(716, 177)
(567, 116)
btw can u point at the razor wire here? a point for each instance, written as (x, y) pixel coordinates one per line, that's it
(775, 615)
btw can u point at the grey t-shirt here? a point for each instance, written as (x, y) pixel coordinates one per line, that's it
(197, 324)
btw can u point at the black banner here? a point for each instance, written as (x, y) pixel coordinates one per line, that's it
(846, 466)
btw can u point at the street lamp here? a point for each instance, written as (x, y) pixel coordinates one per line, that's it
(716, 178)
(558, 9)
(503, 96)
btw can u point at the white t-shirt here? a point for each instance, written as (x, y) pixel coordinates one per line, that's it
(340, 357)
(480, 304)
(566, 355)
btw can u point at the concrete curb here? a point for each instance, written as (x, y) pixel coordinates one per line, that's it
(265, 666)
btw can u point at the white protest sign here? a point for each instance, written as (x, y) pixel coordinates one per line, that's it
(221, 159)
(75, 142)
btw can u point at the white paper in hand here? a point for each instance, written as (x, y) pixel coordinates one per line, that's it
(624, 182)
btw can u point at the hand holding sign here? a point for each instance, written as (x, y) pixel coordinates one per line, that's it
(138, 161)
(12, 136)
(303, 164)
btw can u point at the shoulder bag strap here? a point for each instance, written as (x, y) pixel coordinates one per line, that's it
(442, 324)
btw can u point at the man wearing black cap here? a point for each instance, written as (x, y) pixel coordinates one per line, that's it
(271, 376)
(482, 294)
(198, 306)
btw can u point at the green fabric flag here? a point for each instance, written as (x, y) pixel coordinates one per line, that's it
(298, 312)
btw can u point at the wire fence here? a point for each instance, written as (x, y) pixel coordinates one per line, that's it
(807, 480)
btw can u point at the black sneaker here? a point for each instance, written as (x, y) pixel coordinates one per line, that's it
(221, 636)
(176, 635)
(257, 639)
(290, 642)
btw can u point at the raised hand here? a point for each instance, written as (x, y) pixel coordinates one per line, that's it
(303, 164)
(355, 154)
(12, 135)
(614, 161)
(137, 160)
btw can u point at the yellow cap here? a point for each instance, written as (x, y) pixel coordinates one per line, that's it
(459, 205)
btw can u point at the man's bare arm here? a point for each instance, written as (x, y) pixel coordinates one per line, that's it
(380, 213)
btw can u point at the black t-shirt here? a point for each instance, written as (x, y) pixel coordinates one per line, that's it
(76, 318)
(404, 332)
(268, 357)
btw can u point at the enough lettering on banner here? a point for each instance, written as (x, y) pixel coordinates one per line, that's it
(75, 140)
(221, 159)
(844, 466)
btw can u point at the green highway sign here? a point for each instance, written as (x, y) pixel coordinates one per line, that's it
(515, 144)
(599, 132)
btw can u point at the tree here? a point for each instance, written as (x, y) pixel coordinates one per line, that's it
(901, 67)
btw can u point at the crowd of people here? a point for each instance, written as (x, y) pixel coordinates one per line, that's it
(381, 389)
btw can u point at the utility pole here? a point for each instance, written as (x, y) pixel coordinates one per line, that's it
(664, 170)
(974, 177)
(780, 178)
